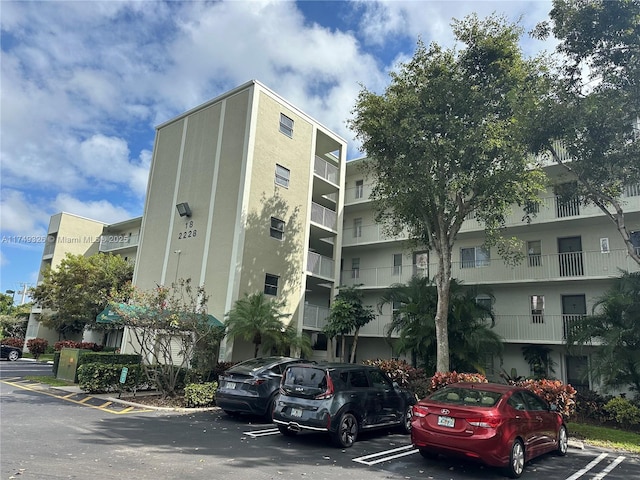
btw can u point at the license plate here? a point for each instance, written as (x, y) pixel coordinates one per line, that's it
(446, 421)
(230, 385)
(296, 412)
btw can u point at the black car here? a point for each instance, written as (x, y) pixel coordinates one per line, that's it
(10, 353)
(251, 386)
(341, 399)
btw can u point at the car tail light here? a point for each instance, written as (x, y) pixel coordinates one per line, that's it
(256, 381)
(420, 411)
(328, 393)
(485, 422)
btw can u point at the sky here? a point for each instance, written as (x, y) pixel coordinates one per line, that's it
(83, 84)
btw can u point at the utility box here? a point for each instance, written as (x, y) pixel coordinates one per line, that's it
(68, 364)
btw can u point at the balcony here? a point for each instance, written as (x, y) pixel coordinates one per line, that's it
(550, 209)
(368, 234)
(535, 329)
(323, 216)
(315, 316)
(111, 242)
(326, 170)
(320, 265)
(559, 266)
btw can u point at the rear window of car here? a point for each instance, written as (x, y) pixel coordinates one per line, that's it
(466, 396)
(306, 377)
(250, 365)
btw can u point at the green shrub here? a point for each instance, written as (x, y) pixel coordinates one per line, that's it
(622, 411)
(37, 346)
(590, 406)
(101, 377)
(200, 394)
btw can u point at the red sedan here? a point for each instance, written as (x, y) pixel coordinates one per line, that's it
(499, 425)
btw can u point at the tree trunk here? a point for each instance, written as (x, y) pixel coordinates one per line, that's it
(343, 349)
(443, 286)
(353, 347)
(255, 351)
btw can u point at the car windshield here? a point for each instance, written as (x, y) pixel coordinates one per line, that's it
(466, 396)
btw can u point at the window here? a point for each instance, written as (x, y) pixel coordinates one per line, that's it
(358, 379)
(534, 253)
(604, 245)
(270, 284)
(635, 240)
(474, 257)
(277, 228)
(421, 264)
(286, 125)
(359, 188)
(355, 268)
(395, 309)
(397, 264)
(357, 227)
(484, 301)
(282, 176)
(537, 308)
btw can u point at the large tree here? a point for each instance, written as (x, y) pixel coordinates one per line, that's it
(594, 112)
(80, 288)
(447, 140)
(470, 325)
(615, 328)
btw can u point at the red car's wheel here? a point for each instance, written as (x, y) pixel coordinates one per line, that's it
(516, 460)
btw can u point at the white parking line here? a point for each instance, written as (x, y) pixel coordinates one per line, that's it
(610, 467)
(262, 433)
(386, 455)
(591, 464)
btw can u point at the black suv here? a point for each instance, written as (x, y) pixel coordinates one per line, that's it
(341, 399)
(251, 386)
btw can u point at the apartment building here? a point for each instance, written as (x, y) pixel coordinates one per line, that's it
(245, 196)
(572, 252)
(249, 194)
(69, 233)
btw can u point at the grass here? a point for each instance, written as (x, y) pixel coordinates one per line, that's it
(54, 382)
(606, 437)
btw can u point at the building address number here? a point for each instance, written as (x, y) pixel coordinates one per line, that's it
(188, 232)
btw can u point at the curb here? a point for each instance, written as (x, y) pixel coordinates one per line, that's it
(168, 409)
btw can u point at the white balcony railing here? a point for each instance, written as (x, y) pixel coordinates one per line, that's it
(320, 265)
(539, 328)
(323, 216)
(114, 242)
(559, 266)
(326, 170)
(315, 316)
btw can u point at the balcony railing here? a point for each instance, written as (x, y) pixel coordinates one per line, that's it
(323, 216)
(539, 328)
(551, 208)
(326, 170)
(541, 267)
(368, 234)
(320, 265)
(315, 316)
(115, 242)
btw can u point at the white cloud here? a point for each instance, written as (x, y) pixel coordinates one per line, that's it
(100, 210)
(21, 215)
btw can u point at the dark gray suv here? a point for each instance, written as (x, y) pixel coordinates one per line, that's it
(341, 399)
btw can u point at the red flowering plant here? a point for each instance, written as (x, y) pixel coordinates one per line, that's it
(554, 392)
(442, 379)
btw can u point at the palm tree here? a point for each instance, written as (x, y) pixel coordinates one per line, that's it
(615, 323)
(289, 340)
(257, 319)
(414, 319)
(470, 335)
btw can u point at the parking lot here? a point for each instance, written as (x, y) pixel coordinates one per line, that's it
(45, 436)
